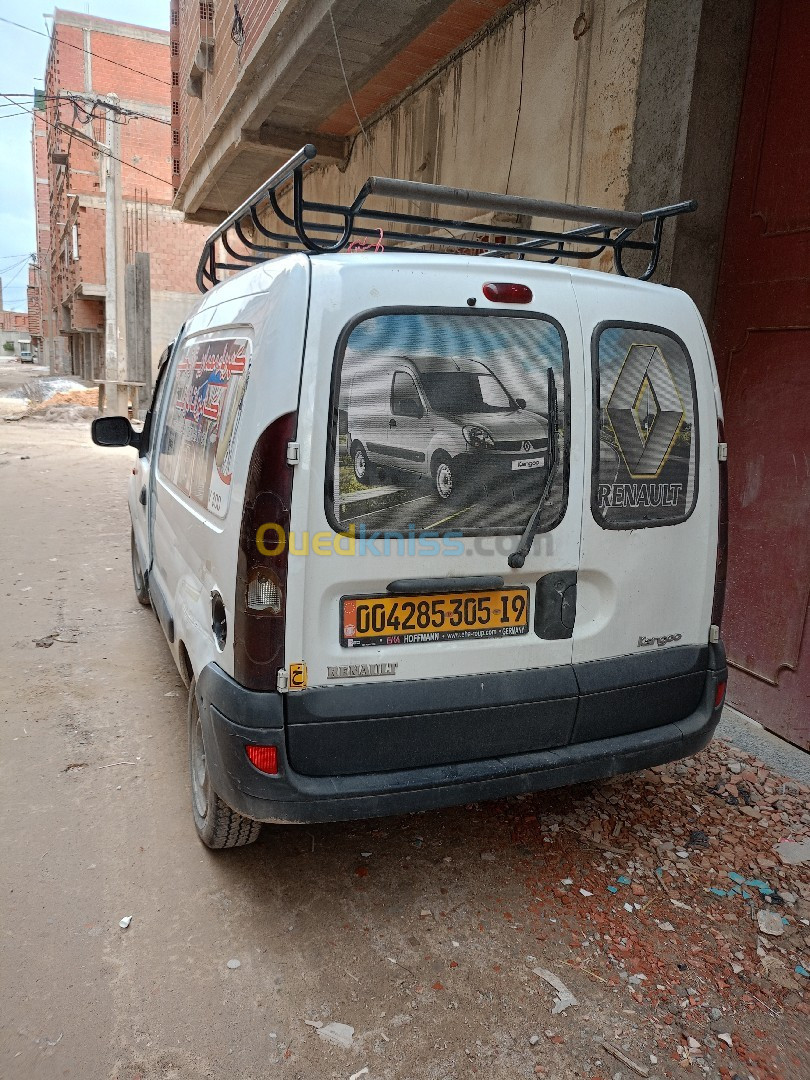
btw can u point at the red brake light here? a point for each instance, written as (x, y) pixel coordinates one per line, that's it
(719, 694)
(265, 758)
(261, 575)
(507, 292)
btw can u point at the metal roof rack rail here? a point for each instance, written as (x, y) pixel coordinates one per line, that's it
(359, 224)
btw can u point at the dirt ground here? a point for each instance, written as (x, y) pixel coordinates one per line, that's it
(421, 933)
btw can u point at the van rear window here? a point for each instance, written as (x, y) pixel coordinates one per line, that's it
(645, 447)
(440, 421)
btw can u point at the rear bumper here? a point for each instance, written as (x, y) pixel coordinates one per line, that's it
(233, 717)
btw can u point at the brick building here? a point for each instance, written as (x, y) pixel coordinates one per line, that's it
(89, 59)
(14, 332)
(602, 102)
(39, 284)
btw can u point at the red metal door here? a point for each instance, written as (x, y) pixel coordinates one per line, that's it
(761, 336)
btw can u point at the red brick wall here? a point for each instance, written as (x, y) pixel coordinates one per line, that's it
(174, 249)
(192, 117)
(134, 64)
(13, 321)
(88, 314)
(34, 297)
(92, 239)
(37, 293)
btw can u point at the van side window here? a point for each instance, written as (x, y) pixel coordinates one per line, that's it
(205, 391)
(405, 400)
(645, 446)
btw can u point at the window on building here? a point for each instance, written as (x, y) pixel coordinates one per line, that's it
(75, 241)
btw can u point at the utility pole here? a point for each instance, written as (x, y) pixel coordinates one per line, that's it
(115, 367)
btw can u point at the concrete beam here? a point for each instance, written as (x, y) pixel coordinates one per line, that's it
(205, 216)
(330, 148)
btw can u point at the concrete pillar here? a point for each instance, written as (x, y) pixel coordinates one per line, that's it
(116, 395)
(139, 327)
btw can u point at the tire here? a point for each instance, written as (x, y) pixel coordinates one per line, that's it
(362, 466)
(138, 580)
(446, 478)
(217, 825)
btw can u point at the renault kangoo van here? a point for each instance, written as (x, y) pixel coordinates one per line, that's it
(425, 528)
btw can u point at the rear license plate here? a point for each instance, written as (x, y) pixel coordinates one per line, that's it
(404, 620)
(528, 463)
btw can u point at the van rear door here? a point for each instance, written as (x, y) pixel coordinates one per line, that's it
(400, 577)
(649, 522)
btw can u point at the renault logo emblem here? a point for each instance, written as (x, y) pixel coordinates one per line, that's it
(527, 447)
(645, 411)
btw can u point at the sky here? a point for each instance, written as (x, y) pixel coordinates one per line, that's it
(22, 68)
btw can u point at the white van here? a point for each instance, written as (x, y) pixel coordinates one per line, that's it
(364, 634)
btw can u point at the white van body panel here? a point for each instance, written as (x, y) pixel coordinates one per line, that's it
(344, 286)
(193, 553)
(619, 671)
(631, 583)
(654, 582)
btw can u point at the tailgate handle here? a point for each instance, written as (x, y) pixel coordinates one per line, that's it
(406, 586)
(556, 608)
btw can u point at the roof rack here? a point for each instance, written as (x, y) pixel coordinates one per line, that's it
(357, 224)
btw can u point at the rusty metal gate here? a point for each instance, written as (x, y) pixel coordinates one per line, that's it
(761, 335)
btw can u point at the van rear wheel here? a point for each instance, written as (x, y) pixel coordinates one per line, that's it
(362, 466)
(138, 580)
(217, 825)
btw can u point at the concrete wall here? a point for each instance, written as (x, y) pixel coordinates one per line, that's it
(530, 110)
(14, 337)
(169, 312)
(601, 102)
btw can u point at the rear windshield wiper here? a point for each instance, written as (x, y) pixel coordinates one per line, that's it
(518, 556)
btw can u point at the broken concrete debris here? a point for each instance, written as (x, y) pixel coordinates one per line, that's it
(564, 999)
(336, 1033)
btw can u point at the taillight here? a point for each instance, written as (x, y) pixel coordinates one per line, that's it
(721, 568)
(720, 694)
(261, 575)
(507, 292)
(265, 758)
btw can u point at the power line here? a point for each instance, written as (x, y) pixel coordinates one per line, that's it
(345, 80)
(75, 99)
(80, 48)
(59, 130)
(18, 269)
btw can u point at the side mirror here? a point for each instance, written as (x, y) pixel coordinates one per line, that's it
(114, 431)
(520, 402)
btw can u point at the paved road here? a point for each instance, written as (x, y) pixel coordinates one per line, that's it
(420, 932)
